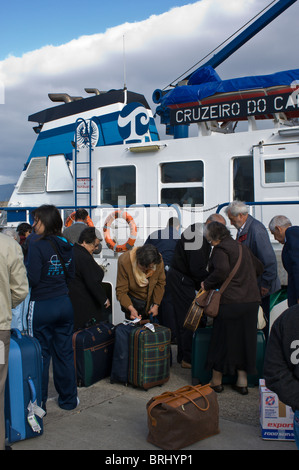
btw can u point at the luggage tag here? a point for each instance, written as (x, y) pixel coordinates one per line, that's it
(150, 326)
(34, 409)
(131, 322)
(33, 423)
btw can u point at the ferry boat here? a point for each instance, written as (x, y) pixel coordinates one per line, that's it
(103, 153)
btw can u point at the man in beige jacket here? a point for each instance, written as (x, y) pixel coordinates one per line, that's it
(13, 290)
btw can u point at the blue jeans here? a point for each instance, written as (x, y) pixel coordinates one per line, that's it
(296, 428)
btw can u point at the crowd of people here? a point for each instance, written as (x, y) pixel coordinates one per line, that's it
(61, 290)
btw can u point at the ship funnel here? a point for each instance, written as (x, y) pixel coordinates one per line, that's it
(62, 97)
(92, 90)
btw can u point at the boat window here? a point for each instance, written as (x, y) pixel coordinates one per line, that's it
(182, 172)
(243, 183)
(182, 183)
(282, 170)
(118, 181)
(59, 177)
(181, 196)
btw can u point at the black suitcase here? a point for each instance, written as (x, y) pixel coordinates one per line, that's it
(93, 352)
(120, 363)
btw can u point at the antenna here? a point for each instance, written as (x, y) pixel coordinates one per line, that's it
(124, 60)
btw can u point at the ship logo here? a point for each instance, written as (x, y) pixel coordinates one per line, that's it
(83, 134)
(133, 123)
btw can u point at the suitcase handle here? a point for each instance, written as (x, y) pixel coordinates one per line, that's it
(16, 332)
(32, 390)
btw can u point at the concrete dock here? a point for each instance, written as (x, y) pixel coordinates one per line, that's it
(112, 417)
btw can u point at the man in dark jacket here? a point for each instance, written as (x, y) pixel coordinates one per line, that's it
(281, 365)
(254, 234)
(188, 270)
(165, 241)
(288, 236)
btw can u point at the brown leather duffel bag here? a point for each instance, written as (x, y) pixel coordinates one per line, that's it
(178, 419)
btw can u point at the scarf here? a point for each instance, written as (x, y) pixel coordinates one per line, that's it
(140, 277)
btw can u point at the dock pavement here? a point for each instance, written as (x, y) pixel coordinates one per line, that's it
(112, 418)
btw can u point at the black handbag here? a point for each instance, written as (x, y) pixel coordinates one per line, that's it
(138, 304)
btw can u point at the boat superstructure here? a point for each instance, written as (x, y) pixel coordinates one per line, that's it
(103, 153)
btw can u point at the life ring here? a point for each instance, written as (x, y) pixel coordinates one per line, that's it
(107, 235)
(71, 219)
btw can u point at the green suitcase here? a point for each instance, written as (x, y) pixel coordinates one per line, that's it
(200, 345)
(149, 356)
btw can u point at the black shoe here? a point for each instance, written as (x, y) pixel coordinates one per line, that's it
(241, 390)
(217, 388)
(8, 448)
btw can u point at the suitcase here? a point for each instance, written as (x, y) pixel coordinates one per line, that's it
(200, 345)
(93, 352)
(180, 418)
(149, 356)
(23, 386)
(120, 362)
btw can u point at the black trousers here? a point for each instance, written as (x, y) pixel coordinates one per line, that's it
(166, 310)
(183, 292)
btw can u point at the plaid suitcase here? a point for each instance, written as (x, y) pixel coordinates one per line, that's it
(149, 356)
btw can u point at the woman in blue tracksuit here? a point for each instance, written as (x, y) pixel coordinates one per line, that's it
(50, 317)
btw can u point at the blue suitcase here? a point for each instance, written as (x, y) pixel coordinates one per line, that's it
(200, 345)
(23, 388)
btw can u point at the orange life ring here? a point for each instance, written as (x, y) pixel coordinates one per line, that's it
(71, 219)
(107, 235)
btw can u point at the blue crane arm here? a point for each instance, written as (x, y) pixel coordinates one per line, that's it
(248, 33)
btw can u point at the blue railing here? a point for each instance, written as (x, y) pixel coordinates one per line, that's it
(260, 203)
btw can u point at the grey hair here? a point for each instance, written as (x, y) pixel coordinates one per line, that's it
(236, 208)
(216, 218)
(279, 221)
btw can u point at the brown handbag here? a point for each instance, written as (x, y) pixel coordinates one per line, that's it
(195, 311)
(178, 419)
(208, 302)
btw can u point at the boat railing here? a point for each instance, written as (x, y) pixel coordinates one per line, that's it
(259, 203)
(13, 215)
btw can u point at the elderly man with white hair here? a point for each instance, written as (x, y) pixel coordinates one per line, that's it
(288, 235)
(254, 234)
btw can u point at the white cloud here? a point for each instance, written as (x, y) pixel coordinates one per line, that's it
(158, 50)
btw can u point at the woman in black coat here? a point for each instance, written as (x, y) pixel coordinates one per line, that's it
(234, 338)
(87, 294)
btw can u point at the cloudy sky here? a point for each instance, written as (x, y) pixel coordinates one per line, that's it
(64, 46)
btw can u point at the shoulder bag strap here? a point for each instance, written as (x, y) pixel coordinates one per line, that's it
(233, 272)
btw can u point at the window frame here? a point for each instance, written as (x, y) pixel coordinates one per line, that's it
(100, 188)
(281, 183)
(178, 185)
